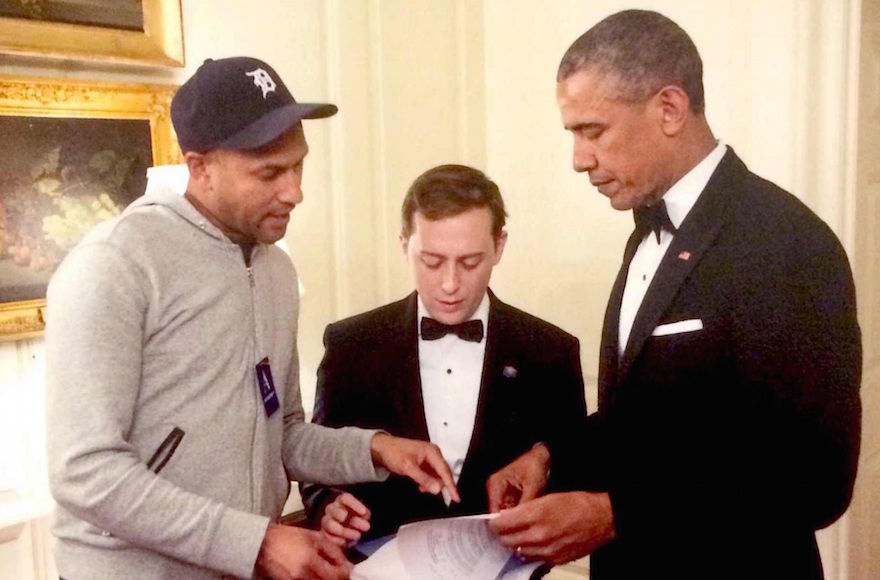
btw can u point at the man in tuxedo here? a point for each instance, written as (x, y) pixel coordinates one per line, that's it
(729, 414)
(449, 363)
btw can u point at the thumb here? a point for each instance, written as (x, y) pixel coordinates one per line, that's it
(502, 493)
(530, 490)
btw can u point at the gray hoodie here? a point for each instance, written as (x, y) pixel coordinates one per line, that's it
(154, 330)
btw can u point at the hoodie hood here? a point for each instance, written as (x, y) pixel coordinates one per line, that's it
(181, 206)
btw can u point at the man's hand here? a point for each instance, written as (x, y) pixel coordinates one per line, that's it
(345, 519)
(420, 461)
(557, 528)
(521, 480)
(290, 553)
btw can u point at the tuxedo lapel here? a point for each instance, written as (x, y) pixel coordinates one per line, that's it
(694, 237)
(608, 358)
(408, 402)
(488, 387)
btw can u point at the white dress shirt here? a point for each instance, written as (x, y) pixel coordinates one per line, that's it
(680, 198)
(451, 370)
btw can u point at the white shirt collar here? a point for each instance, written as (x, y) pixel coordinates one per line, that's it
(481, 313)
(683, 194)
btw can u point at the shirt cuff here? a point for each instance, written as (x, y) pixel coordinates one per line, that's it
(236, 543)
(378, 473)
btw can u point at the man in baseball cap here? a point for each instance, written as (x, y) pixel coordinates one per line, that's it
(175, 419)
(241, 133)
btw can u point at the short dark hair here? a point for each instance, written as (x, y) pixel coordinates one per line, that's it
(449, 190)
(644, 50)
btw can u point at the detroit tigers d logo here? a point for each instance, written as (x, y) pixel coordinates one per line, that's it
(262, 80)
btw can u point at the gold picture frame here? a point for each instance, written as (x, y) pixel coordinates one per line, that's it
(80, 108)
(159, 43)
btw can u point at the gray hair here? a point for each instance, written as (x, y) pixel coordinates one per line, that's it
(644, 50)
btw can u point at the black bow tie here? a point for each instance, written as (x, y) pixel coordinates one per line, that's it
(653, 218)
(472, 330)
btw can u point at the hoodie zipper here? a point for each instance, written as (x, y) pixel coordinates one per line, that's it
(254, 390)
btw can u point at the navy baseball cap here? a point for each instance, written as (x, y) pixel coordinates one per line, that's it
(237, 104)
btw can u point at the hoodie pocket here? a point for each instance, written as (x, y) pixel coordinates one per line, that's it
(165, 450)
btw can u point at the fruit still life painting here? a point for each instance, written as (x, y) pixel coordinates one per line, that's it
(59, 177)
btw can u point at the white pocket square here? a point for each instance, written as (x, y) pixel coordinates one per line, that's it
(678, 327)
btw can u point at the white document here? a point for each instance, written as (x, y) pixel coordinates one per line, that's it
(462, 548)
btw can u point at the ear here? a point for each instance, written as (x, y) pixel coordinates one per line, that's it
(404, 244)
(500, 241)
(674, 108)
(197, 166)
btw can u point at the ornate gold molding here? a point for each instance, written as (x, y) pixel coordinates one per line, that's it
(40, 97)
(22, 320)
(159, 43)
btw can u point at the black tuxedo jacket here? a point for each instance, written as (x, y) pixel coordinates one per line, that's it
(531, 388)
(724, 449)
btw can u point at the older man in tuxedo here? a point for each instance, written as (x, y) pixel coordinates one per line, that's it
(729, 414)
(450, 363)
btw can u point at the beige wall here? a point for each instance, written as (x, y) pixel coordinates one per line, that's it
(427, 82)
(407, 78)
(864, 533)
(424, 82)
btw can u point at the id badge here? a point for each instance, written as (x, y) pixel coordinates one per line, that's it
(267, 387)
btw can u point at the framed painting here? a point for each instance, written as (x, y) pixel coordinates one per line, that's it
(132, 31)
(74, 154)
